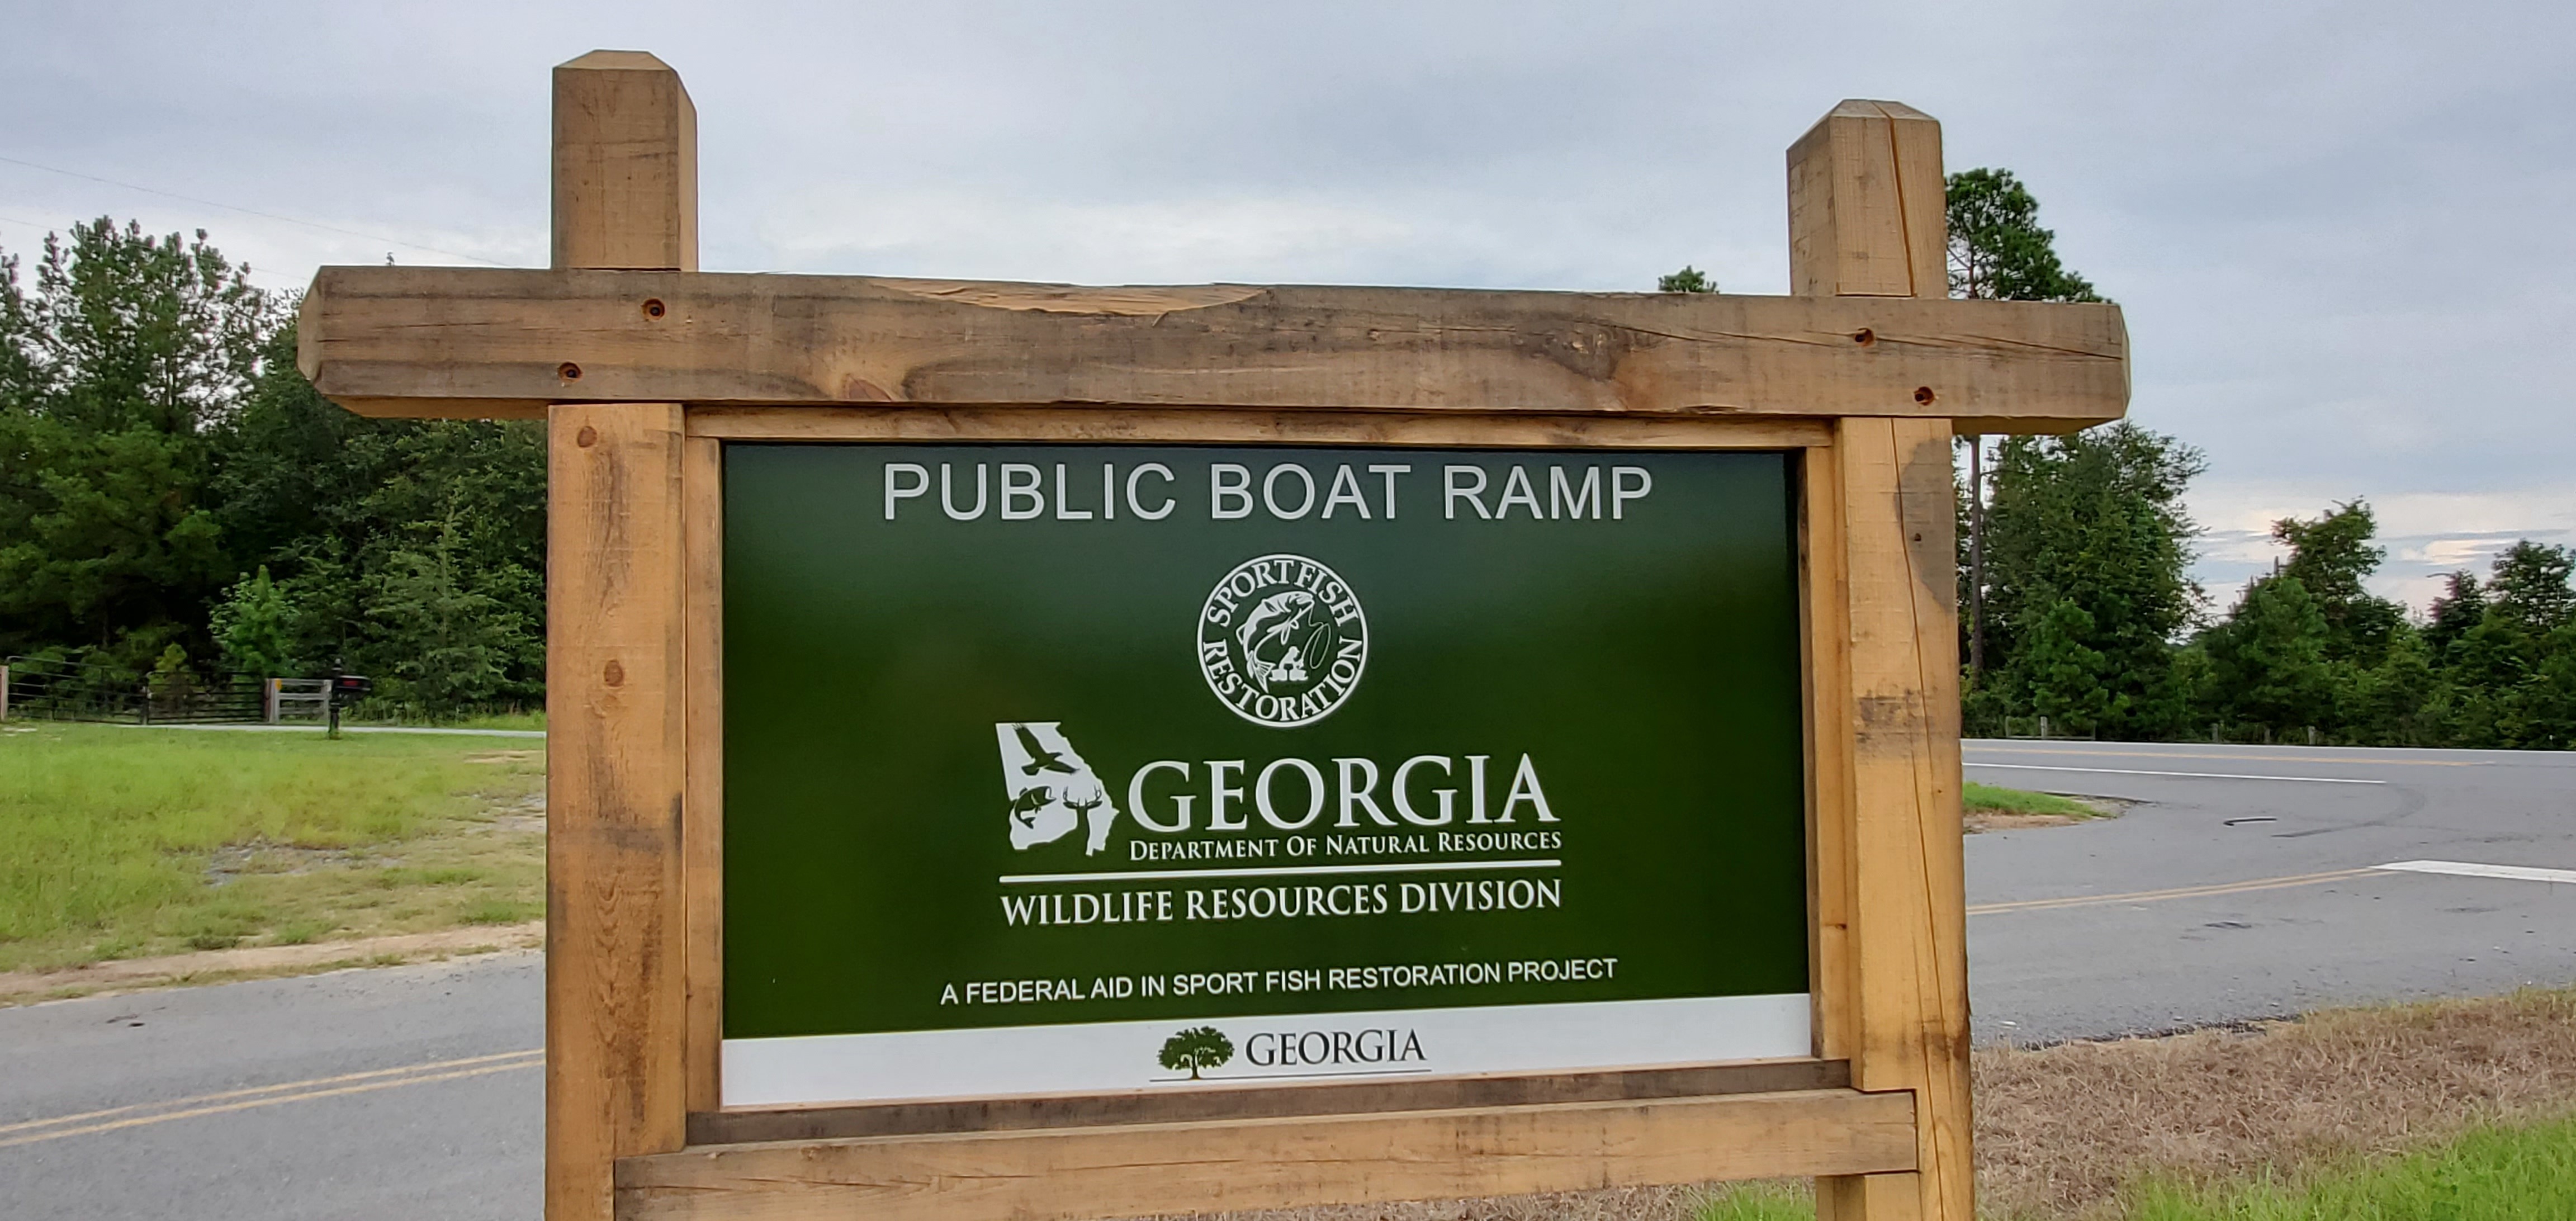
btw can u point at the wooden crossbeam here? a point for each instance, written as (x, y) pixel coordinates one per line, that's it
(1219, 1165)
(409, 341)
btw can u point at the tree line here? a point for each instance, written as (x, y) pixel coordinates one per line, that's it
(176, 500)
(2078, 605)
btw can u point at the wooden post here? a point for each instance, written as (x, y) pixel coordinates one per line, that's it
(625, 196)
(1866, 218)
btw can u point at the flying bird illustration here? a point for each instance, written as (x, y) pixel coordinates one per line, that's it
(1040, 758)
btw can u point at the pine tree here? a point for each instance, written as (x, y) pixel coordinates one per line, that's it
(1997, 251)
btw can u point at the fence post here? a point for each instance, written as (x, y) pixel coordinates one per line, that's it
(4, 693)
(268, 701)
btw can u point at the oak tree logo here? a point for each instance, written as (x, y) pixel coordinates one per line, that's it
(1282, 640)
(1200, 1047)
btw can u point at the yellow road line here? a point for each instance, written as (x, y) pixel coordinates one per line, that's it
(2179, 892)
(291, 1091)
(2167, 754)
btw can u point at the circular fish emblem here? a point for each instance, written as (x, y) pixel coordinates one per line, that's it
(1282, 641)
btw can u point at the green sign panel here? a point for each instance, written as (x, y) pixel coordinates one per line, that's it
(1075, 767)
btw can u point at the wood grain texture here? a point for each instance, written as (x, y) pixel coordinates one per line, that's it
(1865, 210)
(614, 726)
(1182, 426)
(1199, 1104)
(625, 190)
(1878, 1197)
(1866, 219)
(625, 164)
(418, 341)
(702, 821)
(1909, 924)
(1146, 1169)
(1824, 611)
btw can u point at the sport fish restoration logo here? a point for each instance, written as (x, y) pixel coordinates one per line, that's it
(1282, 641)
(1052, 790)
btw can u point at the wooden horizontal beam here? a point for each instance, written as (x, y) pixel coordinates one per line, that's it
(1246, 426)
(1163, 1168)
(424, 341)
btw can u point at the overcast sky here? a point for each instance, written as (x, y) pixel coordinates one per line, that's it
(2341, 233)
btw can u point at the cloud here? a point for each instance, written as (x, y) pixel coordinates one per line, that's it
(2337, 230)
(2426, 535)
(980, 234)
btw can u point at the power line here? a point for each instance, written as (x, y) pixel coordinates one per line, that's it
(256, 274)
(373, 237)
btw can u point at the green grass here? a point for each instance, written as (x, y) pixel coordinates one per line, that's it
(2016, 801)
(381, 715)
(2499, 1172)
(1766, 1201)
(504, 720)
(2503, 1173)
(122, 842)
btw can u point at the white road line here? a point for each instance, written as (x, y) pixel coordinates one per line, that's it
(1283, 871)
(2516, 873)
(2126, 771)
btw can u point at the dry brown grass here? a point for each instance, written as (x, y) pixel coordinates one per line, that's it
(2061, 1130)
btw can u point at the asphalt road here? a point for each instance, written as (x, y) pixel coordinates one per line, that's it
(2244, 884)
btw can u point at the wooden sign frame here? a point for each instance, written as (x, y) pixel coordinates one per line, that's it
(643, 367)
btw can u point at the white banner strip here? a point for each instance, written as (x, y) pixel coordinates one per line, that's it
(1107, 1056)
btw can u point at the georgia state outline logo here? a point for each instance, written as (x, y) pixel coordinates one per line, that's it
(1282, 640)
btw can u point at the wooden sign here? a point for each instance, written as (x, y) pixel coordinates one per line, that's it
(1034, 751)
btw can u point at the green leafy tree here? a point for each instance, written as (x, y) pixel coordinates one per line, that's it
(2544, 713)
(126, 349)
(1688, 280)
(1197, 1049)
(2461, 605)
(2398, 702)
(2268, 659)
(2094, 520)
(2331, 557)
(167, 478)
(255, 627)
(409, 549)
(2528, 588)
(2065, 680)
(170, 683)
